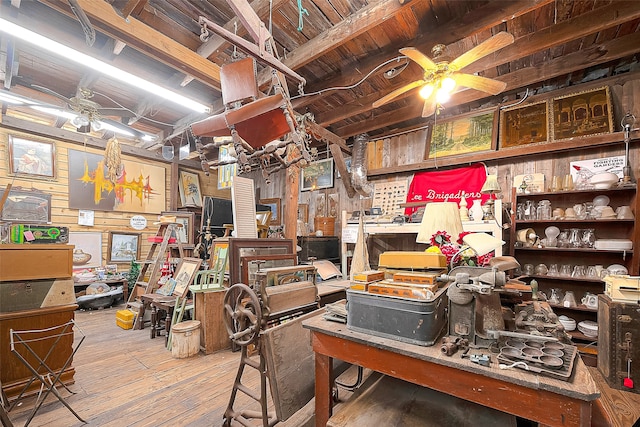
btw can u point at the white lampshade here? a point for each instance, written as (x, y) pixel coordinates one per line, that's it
(482, 243)
(440, 216)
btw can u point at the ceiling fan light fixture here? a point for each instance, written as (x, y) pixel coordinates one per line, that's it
(41, 41)
(442, 95)
(426, 91)
(448, 84)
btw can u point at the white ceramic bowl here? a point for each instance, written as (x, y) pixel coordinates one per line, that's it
(604, 180)
(589, 328)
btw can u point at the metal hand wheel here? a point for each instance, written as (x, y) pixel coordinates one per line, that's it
(243, 314)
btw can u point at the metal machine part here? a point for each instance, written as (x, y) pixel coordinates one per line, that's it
(473, 306)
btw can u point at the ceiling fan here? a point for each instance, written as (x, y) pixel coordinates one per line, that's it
(86, 114)
(442, 76)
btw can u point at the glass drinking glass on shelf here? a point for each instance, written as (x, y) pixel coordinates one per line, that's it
(529, 210)
(565, 270)
(553, 270)
(528, 269)
(592, 272)
(567, 183)
(574, 238)
(579, 271)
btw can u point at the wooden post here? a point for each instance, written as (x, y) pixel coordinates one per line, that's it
(291, 196)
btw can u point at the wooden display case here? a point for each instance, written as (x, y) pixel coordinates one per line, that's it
(23, 267)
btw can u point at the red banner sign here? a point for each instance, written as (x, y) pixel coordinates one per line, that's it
(447, 185)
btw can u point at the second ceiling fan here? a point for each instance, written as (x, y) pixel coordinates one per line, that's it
(442, 76)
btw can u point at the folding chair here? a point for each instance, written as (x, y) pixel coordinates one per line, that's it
(29, 345)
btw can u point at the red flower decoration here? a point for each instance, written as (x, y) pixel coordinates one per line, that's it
(440, 238)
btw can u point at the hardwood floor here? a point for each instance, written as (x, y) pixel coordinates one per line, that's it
(124, 378)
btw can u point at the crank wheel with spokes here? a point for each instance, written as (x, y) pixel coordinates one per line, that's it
(243, 314)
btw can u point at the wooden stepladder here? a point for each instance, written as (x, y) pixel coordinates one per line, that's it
(151, 267)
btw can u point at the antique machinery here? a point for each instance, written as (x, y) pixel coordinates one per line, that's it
(278, 294)
(474, 308)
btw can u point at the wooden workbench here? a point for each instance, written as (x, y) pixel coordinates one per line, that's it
(546, 400)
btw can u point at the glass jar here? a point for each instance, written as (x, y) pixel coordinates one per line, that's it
(563, 239)
(543, 211)
(530, 210)
(588, 237)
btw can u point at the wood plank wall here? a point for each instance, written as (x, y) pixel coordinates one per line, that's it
(408, 150)
(104, 222)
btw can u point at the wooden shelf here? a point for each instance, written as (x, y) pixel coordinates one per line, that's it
(580, 307)
(566, 278)
(577, 250)
(573, 221)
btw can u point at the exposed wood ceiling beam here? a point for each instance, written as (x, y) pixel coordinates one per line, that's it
(473, 22)
(129, 7)
(145, 39)
(576, 28)
(358, 23)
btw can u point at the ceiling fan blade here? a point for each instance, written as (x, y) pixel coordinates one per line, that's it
(485, 48)
(429, 108)
(484, 84)
(51, 92)
(117, 112)
(423, 60)
(397, 92)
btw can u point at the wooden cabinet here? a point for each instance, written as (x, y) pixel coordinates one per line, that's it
(573, 256)
(37, 293)
(209, 310)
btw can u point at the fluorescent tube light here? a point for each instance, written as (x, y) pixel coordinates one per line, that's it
(55, 112)
(10, 98)
(97, 65)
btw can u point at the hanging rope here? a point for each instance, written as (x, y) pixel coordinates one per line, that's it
(301, 11)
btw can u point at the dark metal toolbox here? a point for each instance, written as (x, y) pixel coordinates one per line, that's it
(619, 342)
(403, 319)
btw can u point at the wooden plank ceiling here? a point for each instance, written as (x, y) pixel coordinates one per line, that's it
(338, 47)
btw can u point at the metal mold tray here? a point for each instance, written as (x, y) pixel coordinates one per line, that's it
(540, 356)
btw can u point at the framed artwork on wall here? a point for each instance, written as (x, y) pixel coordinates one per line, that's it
(186, 233)
(317, 175)
(524, 125)
(276, 211)
(582, 114)
(35, 159)
(469, 133)
(88, 248)
(26, 206)
(123, 247)
(142, 188)
(189, 188)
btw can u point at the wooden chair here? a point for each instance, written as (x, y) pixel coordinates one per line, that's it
(252, 118)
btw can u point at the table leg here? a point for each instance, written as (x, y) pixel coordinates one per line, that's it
(167, 325)
(323, 389)
(140, 318)
(154, 321)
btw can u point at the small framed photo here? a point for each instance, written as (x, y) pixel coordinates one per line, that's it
(189, 188)
(317, 175)
(524, 125)
(276, 212)
(184, 275)
(582, 114)
(123, 247)
(35, 159)
(186, 233)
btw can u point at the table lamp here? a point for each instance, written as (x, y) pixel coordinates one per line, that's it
(440, 216)
(480, 243)
(490, 187)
